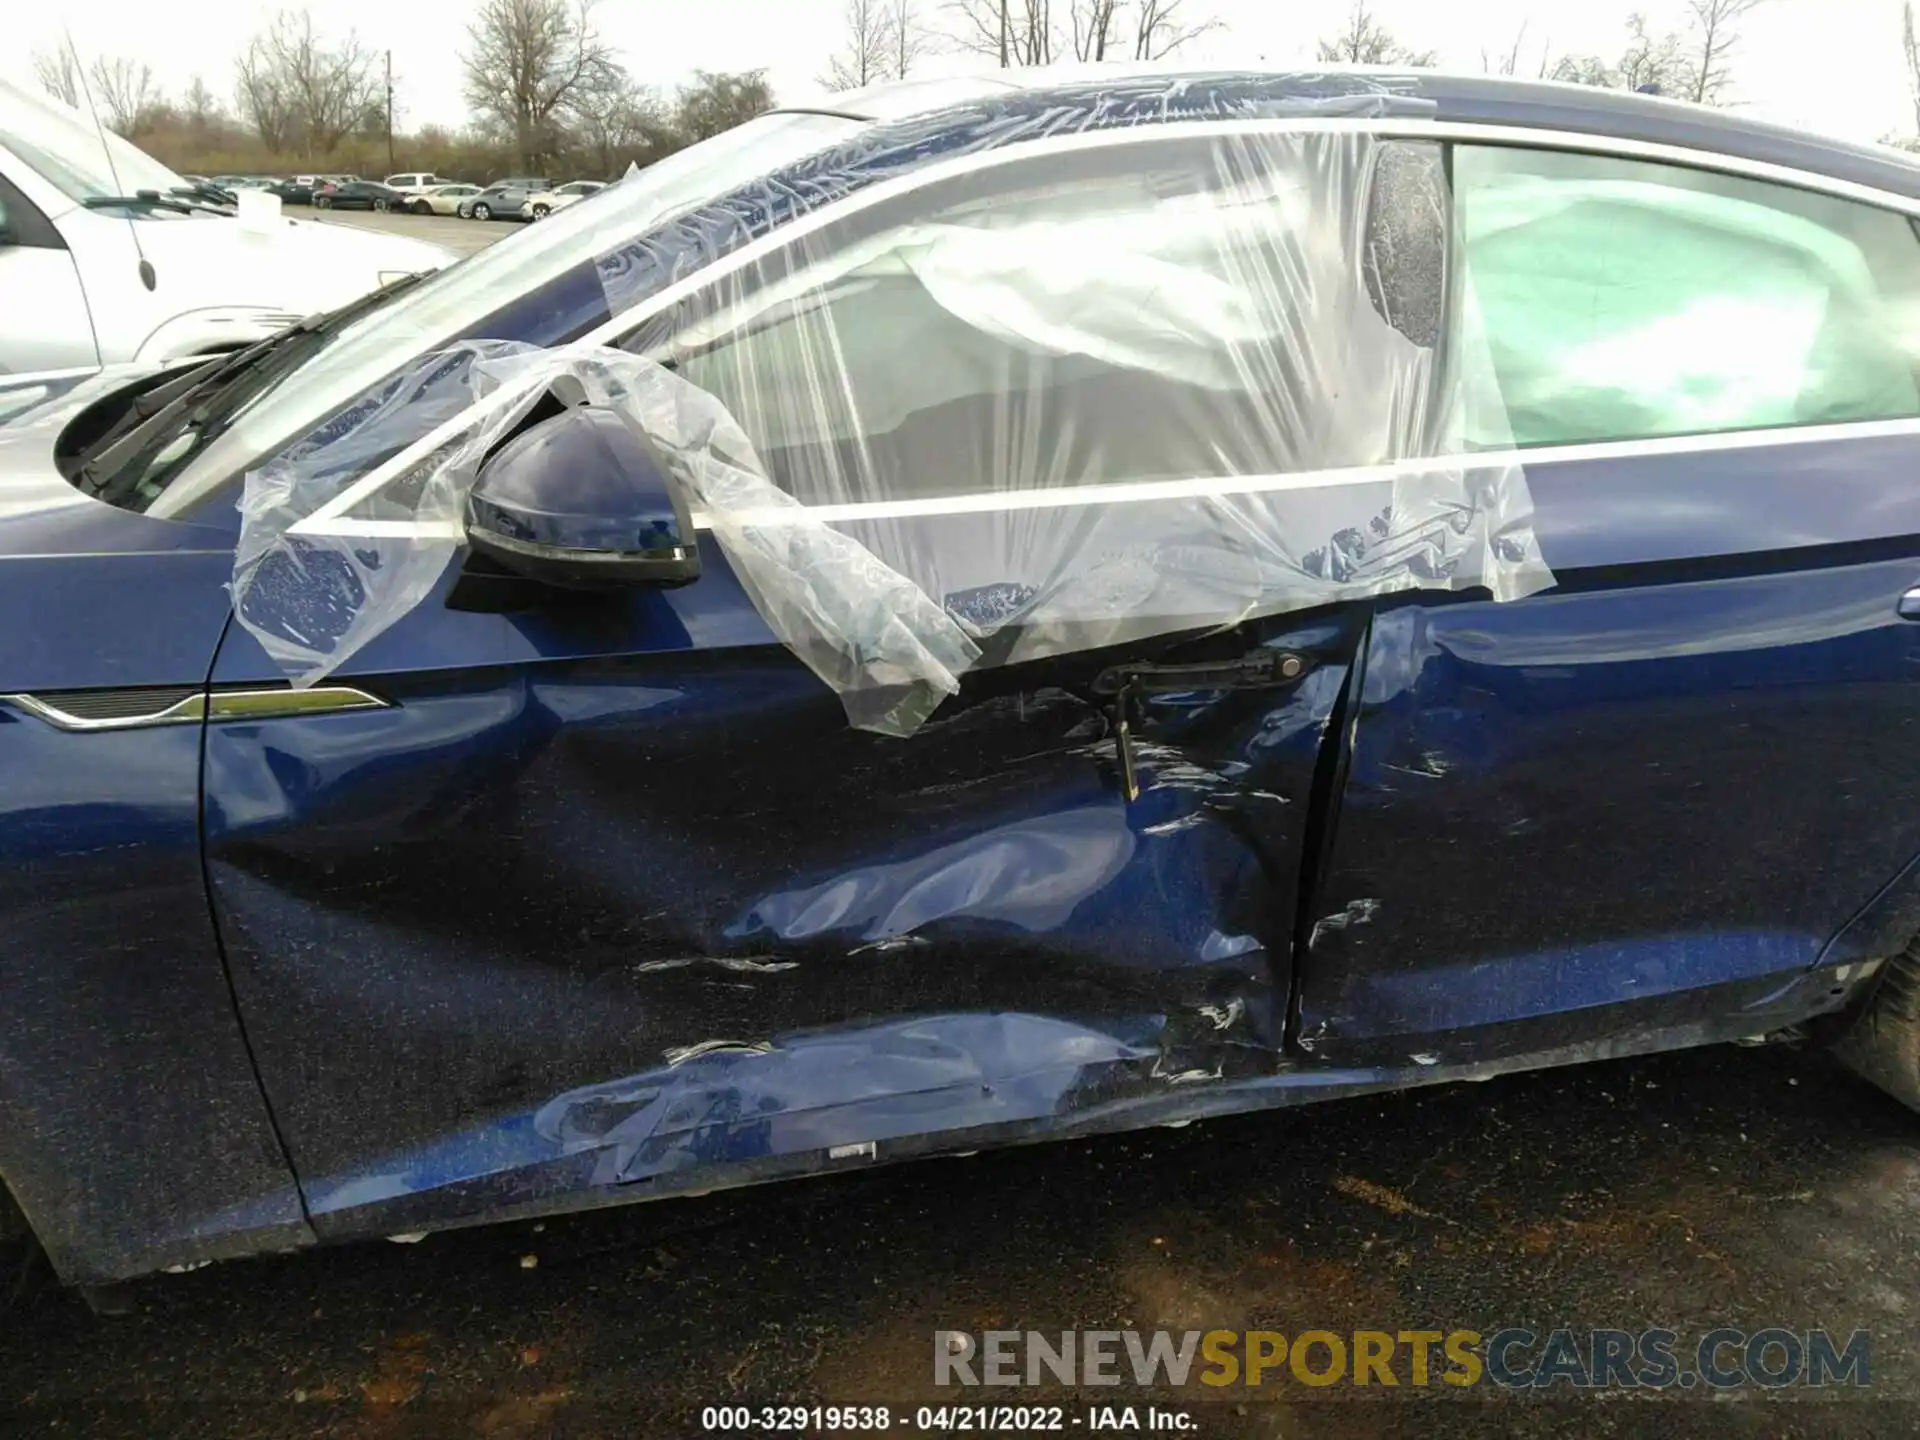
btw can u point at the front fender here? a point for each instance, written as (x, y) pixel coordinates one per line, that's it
(210, 329)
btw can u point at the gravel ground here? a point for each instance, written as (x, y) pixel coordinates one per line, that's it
(1737, 1187)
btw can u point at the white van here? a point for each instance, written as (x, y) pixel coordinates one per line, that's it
(414, 182)
(104, 261)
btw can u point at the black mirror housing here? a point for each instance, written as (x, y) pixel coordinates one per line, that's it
(583, 501)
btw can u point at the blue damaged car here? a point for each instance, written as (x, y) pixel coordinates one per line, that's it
(985, 612)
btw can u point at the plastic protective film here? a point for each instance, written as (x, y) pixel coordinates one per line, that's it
(1155, 383)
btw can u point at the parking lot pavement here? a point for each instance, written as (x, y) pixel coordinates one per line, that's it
(1723, 1187)
(466, 236)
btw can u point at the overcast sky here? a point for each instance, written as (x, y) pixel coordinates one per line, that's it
(1830, 65)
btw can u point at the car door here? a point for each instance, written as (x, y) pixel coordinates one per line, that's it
(44, 320)
(604, 893)
(1650, 799)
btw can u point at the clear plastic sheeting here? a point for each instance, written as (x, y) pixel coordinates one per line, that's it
(313, 600)
(1165, 382)
(923, 121)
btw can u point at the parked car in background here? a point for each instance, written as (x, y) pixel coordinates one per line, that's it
(80, 225)
(357, 195)
(543, 203)
(502, 199)
(415, 182)
(442, 199)
(295, 191)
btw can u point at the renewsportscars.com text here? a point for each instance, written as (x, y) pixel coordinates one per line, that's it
(1514, 1358)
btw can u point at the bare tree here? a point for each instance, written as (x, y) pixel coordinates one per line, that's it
(1161, 27)
(906, 38)
(295, 87)
(263, 97)
(1014, 32)
(620, 121)
(1716, 32)
(1508, 63)
(125, 92)
(59, 75)
(526, 59)
(1655, 64)
(717, 102)
(1910, 48)
(1365, 41)
(1095, 31)
(198, 104)
(868, 49)
(1511, 63)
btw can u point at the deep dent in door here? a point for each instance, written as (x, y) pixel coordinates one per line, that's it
(530, 935)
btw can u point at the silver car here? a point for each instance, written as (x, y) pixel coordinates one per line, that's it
(502, 199)
(543, 203)
(442, 199)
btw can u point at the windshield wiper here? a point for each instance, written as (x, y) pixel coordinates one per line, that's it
(206, 197)
(139, 200)
(208, 394)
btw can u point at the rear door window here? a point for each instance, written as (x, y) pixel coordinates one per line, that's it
(1625, 300)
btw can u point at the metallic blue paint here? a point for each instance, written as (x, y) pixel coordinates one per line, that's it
(941, 1084)
(132, 1128)
(583, 482)
(1603, 795)
(613, 904)
(536, 878)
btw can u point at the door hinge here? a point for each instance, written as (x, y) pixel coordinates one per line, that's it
(1126, 683)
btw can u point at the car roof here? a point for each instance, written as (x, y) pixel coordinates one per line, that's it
(1148, 91)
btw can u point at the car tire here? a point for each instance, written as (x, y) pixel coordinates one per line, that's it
(1883, 1043)
(483, 212)
(540, 212)
(383, 205)
(321, 202)
(421, 207)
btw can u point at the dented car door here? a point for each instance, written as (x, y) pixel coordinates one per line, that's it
(607, 892)
(1662, 795)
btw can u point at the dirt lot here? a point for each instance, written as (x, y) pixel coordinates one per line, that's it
(465, 236)
(1725, 1187)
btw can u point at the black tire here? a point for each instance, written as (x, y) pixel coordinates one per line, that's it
(321, 202)
(483, 212)
(540, 212)
(421, 207)
(383, 205)
(1883, 1044)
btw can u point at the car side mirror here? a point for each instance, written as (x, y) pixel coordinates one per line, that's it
(583, 501)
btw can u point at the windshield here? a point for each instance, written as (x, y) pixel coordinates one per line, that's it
(64, 148)
(512, 286)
